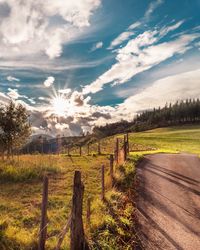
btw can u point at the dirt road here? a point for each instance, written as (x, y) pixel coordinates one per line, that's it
(168, 202)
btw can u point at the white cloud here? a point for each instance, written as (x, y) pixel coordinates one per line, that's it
(47, 25)
(170, 28)
(129, 32)
(124, 36)
(152, 6)
(96, 46)
(120, 39)
(11, 79)
(41, 98)
(134, 25)
(49, 81)
(140, 54)
(13, 93)
(65, 91)
(31, 100)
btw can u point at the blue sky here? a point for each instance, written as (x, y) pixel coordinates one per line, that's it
(77, 64)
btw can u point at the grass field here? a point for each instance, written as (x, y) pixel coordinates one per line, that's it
(21, 187)
(174, 139)
(20, 195)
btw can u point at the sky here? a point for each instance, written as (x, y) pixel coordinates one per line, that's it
(85, 63)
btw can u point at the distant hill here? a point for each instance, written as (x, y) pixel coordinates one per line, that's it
(179, 113)
(46, 144)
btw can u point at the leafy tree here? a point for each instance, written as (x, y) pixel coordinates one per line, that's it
(14, 127)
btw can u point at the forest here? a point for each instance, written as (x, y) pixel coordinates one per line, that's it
(181, 112)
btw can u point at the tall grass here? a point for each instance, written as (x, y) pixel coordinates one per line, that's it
(26, 169)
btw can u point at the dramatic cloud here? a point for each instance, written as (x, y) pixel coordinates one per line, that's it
(49, 81)
(55, 38)
(140, 54)
(47, 25)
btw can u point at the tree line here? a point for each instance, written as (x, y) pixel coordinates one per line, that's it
(181, 112)
(15, 128)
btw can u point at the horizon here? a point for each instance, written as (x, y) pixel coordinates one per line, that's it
(81, 64)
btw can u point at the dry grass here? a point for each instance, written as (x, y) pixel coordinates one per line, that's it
(20, 198)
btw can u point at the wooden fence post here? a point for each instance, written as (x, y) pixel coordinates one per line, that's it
(99, 148)
(125, 146)
(68, 151)
(88, 211)
(43, 225)
(102, 183)
(80, 150)
(77, 238)
(111, 169)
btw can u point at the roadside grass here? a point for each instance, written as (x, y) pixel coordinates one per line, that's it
(112, 224)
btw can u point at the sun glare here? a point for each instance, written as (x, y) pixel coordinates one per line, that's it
(59, 105)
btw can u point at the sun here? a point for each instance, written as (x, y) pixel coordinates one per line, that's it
(59, 105)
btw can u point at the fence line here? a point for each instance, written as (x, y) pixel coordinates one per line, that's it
(75, 220)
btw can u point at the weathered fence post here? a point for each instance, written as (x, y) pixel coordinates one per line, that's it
(111, 169)
(88, 211)
(80, 152)
(125, 147)
(99, 148)
(102, 183)
(43, 225)
(77, 238)
(117, 150)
